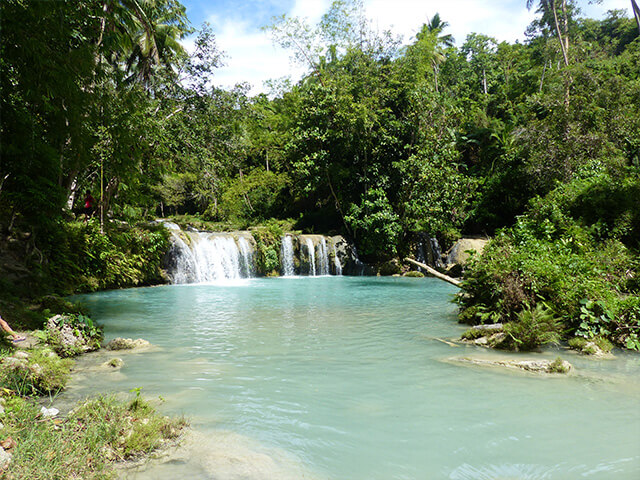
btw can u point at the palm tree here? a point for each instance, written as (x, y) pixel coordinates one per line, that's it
(154, 38)
(431, 34)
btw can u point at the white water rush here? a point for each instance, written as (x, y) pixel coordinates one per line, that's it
(312, 256)
(286, 253)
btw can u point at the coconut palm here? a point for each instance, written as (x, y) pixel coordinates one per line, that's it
(158, 27)
(431, 35)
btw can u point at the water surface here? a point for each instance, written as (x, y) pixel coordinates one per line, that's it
(345, 378)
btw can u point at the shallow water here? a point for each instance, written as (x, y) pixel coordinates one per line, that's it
(345, 378)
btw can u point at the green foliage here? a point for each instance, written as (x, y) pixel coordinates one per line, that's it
(533, 327)
(472, 334)
(558, 366)
(377, 224)
(268, 239)
(566, 258)
(41, 374)
(86, 444)
(86, 335)
(87, 260)
(258, 195)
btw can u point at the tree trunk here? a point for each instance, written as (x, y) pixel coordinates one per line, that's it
(434, 272)
(636, 12)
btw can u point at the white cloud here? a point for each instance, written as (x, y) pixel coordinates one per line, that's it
(252, 57)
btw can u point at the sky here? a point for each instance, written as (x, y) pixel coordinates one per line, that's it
(252, 57)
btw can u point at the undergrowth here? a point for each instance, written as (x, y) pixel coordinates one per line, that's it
(97, 433)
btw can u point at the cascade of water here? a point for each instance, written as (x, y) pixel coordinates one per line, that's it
(323, 257)
(312, 256)
(336, 260)
(286, 254)
(437, 252)
(206, 257)
(247, 256)
(217, 258)
(184, 264)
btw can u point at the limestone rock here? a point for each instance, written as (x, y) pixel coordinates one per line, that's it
(458, 254)
(5, 459)
(21, 355)
(494, 327)
(49, 412)
(66, 339)
(127, 344)
(114, 363)
(535, 366)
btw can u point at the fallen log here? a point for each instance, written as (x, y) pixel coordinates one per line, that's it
(434, 272)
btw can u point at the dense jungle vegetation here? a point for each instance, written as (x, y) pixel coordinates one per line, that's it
(535, 143)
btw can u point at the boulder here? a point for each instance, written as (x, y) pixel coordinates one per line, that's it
(392, 267)
(127, 344)
(114, 363)
(66, 339)
(458, 255)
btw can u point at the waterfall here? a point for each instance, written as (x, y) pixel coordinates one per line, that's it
(323, 257)
(198, 257)
(312, 256)
(428, 251)
(286, 254)
(437, 252)
(336, 260)
(247, 257)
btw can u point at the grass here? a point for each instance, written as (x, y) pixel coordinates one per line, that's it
(41, 374)
(558, 366)
(85, 445)
(591, 346)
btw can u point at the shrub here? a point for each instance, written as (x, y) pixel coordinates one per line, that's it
(558, 366)
(72, 334)
(567, 255)
(532, 328)
(40, 374)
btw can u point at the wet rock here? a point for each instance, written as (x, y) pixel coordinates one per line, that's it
(497, 339)
(495, 327)
(392, 267)
(127, 344)
(414, 274)
(534, 366)
(481, 341)
(114, 363)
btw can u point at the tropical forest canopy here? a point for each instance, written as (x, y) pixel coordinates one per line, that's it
(378, 141)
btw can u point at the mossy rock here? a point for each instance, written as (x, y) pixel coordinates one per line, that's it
(414, 274)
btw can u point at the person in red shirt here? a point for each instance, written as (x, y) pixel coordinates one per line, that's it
(88, 206)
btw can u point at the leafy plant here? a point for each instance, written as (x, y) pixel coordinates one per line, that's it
(533, 327)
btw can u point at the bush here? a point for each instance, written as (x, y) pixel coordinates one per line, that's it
(268, 239)
(71, 335)
(532, 328)
(40, 374)
(580, 266)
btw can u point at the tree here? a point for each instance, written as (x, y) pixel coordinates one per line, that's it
(433, 41)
